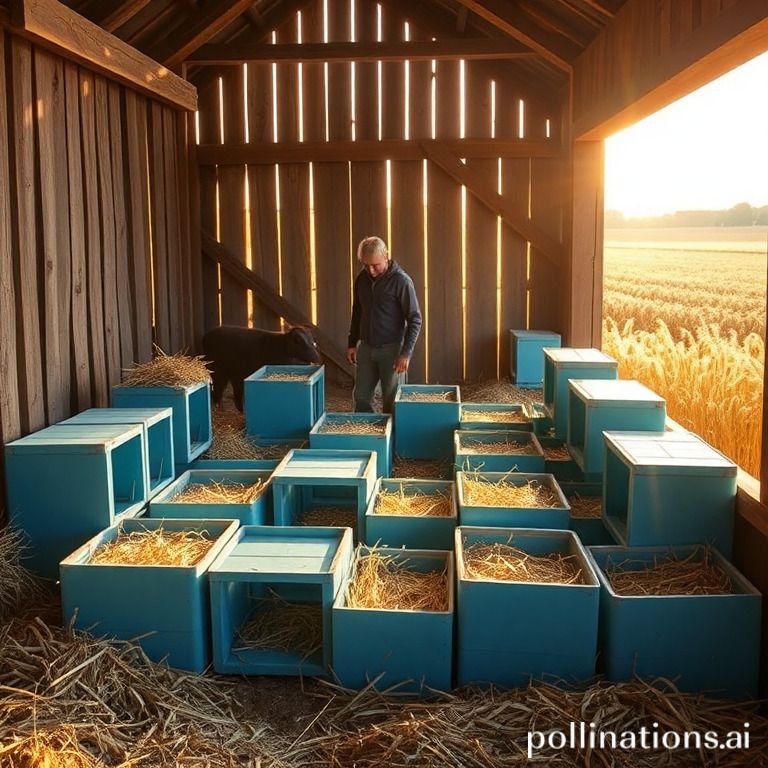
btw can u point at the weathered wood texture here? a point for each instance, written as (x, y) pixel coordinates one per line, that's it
(315, 138)
(85, 224)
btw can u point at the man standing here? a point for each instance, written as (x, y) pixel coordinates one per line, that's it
(386, 321)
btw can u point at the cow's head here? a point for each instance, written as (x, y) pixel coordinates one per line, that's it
(301, 345)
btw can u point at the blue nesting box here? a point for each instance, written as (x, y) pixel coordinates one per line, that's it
(412, 531)
(327, 433)
(495, 416)
(473, 513)
(191, 406)
(283, 445)
(287, 408)
(705, 643)
(557, 460)
(256, 512)
(512, 631)
(304, 565)
(66, 483)
(590, 530)
(409, 648)
(521, 451)
(165, 608)
(424, 428)
(668, 488)
(526, 355)
(158, 437)
(315, 477)
(598, 405)
(561, 365)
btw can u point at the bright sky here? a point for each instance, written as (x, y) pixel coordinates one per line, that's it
(708, 150)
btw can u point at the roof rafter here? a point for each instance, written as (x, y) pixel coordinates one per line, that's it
(120, 13)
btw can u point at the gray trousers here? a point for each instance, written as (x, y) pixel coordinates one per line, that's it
(374, 364)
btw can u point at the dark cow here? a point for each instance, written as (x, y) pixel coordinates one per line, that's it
(234, 353)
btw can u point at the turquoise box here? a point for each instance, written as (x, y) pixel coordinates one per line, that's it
(540, 421)
(472, 512)
(599, 405)
(66, 483)
(591, 528)
(558, 461)
(512, 631)
(526, 356)
(256, 512)
(294, 565)
(412, 649)
(561, 365)
(329, 432)
(495, 416)
(166, 607)
(704, 643)
(277, 405)
(513, 451)
(411, 531)
(668, 488)
(424, 428)
(158, 437)
(191, 406)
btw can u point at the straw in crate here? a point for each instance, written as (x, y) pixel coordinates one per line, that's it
(498, 451)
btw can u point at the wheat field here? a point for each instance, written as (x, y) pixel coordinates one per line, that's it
(684, 312)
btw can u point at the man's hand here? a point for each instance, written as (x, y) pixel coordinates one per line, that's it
(401, 364)
(352, 355)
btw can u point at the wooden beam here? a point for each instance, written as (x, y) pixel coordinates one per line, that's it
(273, 300)
(199, 29)
(464, 48)
(121, 13)
(478, 185)
(56, 27)
(368, 151)
(514, 24)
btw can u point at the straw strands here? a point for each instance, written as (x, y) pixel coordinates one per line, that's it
(449, 396)
(421, 469)
(336, 517)
(470, 415)
(499, 391)
(416, 504)
(220, 492)
(352, 427)
(495, 446)
(585, 506)
(387, 582)
(235, 444)
(506, 493)
(18, 588)
(504, 562)
(157, 547)
(696, 574)
(556, 452)
(163, 370)
(280, 376)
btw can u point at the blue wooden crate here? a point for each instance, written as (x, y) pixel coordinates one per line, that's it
(424, 429)
(165, 608)
(469, 456)
(509, 632)
(299, 564)
(495, 416)
(191, 406)
(564, 468)
(283, 408)
(598, 405)
(705, 643)
(668, 488)
(561, 365)
(590, 530)
(158, 437)
(314, 477)
(526, 355)
(66, 483)
(408, 648)
(256, 512)
(542, 424)
(323, 435)
(412, 531)
(512, 517)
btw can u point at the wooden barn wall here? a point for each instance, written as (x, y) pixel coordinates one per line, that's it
(297, 224)
(91, 222)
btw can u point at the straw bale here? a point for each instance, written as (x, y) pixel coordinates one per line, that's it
(163, 370)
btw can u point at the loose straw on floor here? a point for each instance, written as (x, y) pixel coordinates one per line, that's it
(163, 370)
(224, 492)
(156, 547)
(417, 504)
(696, 574)
(234, 444)
(505, 493)
(504, 562)
(585, 506)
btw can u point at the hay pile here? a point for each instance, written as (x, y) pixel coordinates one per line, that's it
(224, 492)
(504, 562)
(470, 415)
(585, 506)
(353, 427)
(421, 469)
(496, 447)
(18, 588)
(505, 493)
(163, 370)
(416, 504)
(153, 547)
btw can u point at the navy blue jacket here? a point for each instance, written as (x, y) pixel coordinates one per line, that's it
(385, 310)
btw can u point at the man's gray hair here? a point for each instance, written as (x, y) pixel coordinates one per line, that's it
(370, 245)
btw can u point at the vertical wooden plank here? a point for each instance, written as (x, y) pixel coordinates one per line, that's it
(190, 308)
(135, 133)
(444, 238)
(124, 303)
(31, 389)
(99, 383)
(173, 230)
(159, 228)
(195, 247)
(10, 422)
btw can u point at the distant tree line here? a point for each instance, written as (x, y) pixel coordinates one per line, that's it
(741, 215)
